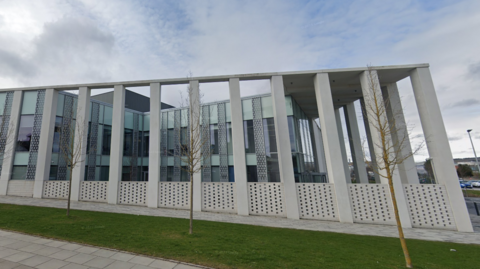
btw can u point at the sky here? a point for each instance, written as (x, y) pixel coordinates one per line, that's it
(56, 42)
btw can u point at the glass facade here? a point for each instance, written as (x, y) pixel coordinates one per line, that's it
(259, 137)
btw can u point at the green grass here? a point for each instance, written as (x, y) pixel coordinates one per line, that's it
(471, 193)
(225, 245)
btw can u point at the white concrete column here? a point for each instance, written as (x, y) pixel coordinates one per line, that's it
(343, 149)
(355, 143)
(44, 160)
(437, 144)
(371, 91)
(238, 142)
(9, 153)
(331, 142)
(116, 147)
(373, 159)
(398, 127)
(83, 114)
(320, 149)
(195, 119)
(283, 147)
(154, 145)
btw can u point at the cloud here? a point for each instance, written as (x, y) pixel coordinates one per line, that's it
(68, 50)
(474, 71)
(465, 103)
(455, 138)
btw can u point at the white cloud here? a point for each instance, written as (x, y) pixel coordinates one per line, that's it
(55, 42)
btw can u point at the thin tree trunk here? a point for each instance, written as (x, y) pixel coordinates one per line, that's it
(69, 193)
(191, 204)
(406, 254)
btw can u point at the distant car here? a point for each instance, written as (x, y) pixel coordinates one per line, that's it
(465, 184)
(476, 184)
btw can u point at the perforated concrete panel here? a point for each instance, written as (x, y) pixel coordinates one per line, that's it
(94, 191)
(57, 189)
(266, 199)
(317, 201)
(371, 203)
(219, 197)
(20, 188)
(429, 206)
(174, 195)
(133, 193)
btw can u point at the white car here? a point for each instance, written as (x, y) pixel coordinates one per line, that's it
(476, 184)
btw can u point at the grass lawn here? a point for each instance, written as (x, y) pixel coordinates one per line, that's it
(225, 245)
(470, 193)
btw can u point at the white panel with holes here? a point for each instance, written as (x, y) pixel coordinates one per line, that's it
(266, 199)
(219, 197)
(371, 203)
(174, 195)
(20, 188)
(317, 201)
(133, 193)
(429, 206)
(57, 189)
(94, 191)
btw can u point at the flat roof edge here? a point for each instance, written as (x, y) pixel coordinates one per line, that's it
(221, 78)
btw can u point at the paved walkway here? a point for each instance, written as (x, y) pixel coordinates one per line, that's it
(314, 225)
(22, 251)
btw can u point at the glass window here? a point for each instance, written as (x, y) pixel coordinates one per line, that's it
(3, 97)
(146, 143)
(100, 117)
(107, 137)
(288, 105)
(291, 132)
(128, 142)
(252, 173)
(267, 108)
(273, 171)
(29, 102)
(171, 142)
(25, 133)
(214, 139)
(146, 123)
(126, 173)
(247, 109)
(60, 101)
(269, 136)
(249, 136)
(107, 117)
(170, 119)
(19, 172)
(229, 139)
(56, 134)
(213, 114)
(104, 173)
(169, 173)
(53, 172)
(231, 174)
(128, 120)
(215, 174)
(228, 112)
(184, 174)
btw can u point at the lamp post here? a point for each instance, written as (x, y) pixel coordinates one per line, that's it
(474, 153)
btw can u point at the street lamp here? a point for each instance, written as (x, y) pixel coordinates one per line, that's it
(474, 153)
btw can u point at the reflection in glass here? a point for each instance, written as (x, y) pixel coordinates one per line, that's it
(25, 133)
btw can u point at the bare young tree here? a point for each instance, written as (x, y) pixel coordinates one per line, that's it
(7, 131)
(390, 152)
(190, 141)
(71, 152)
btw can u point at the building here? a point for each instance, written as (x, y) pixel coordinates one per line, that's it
(268, 155)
